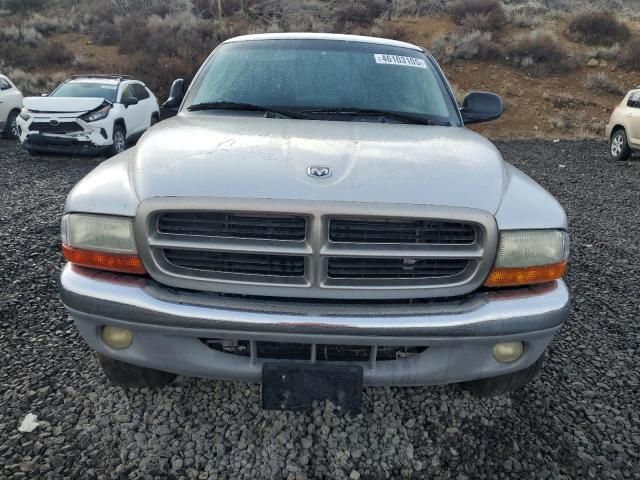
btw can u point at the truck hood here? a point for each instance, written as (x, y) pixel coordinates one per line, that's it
(62, 104)
(208, 154)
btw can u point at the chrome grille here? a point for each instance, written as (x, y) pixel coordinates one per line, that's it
(279, 248)
(59, 128)
(400, 230)
(234, 225)
(351, 267)
(236, 263)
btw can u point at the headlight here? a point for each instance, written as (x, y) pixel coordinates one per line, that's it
(528, 257)
(24, 114)
(96, 115)
(104, 242)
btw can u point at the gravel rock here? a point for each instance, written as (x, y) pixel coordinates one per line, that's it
(578, 419)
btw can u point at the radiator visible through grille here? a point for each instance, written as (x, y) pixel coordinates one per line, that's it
(59, 128)
(236, 263)
(234, 225)
(394, 267)
(400, 230)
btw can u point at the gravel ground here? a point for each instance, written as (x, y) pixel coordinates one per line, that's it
(579, 418)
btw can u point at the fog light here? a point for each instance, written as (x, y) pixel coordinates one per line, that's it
(117, 337)
(508, 352)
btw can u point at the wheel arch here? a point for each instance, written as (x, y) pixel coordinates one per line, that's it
(119, 122)
(15, 110)
(617, 128)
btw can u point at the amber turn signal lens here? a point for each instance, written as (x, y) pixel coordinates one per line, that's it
(512, 277)
(104, 261)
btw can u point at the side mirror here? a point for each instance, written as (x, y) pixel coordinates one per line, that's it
(175, 95)
(128, 101)
(481, 107)
(44, 94)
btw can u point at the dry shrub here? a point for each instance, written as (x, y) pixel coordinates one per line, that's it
(470, 46)
(158, 73)
(22, 6)
(629, 59)
(606, 53)
(406, 8)
(47, 25)
(564, 121)
(33, 84)
(229, 29)
(579, 124)
(601, 83)
(560, 100)
(485, 15)
(55, 53)
(358, 13)
(394, 31)
(524, 20)
(539, 53)
(597, 28)
(28, 49)
(458, 94)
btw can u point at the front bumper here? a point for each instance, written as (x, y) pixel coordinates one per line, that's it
(169, 327)
(60, 144)
(93, 138)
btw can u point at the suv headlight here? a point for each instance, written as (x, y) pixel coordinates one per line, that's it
(527, 257)
(105, 242)
(24, 114)
(97, 114)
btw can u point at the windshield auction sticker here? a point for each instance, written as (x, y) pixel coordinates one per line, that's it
(399, 60)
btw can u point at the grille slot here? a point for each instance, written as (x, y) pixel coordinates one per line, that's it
(236, 263)
(234, 225)
(61, 128)
(381, 268)
(304, 351)
(400, 230)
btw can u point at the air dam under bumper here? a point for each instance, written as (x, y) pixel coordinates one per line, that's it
(169, 327)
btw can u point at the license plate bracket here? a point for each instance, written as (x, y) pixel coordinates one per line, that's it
(287, 386)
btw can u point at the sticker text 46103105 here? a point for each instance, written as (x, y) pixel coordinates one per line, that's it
(400, 60)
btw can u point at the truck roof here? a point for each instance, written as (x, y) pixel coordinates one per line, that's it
(323, 36)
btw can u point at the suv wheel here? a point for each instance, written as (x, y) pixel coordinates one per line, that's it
(131, 376)
(619, 146)
(11, 128)
(119, 140)
(503, 384)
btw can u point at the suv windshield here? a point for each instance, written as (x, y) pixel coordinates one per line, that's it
(344, 80)
(87, 90)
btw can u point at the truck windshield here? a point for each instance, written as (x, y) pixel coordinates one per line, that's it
(343, 80)
(87, 90)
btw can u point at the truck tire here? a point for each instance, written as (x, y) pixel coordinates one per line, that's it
(131, 376)
(503, 384)
(619, 149)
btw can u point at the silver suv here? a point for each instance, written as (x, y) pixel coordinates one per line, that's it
(317, 218)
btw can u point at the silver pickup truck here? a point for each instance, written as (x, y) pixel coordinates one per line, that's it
(316, 217)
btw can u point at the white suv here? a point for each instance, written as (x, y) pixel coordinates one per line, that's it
(88, 114)
(10, 105)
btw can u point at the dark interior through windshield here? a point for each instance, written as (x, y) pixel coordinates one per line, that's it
(318, 74)
(87, 90)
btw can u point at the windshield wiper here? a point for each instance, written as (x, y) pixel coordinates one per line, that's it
(244, 106)
(406, 117)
